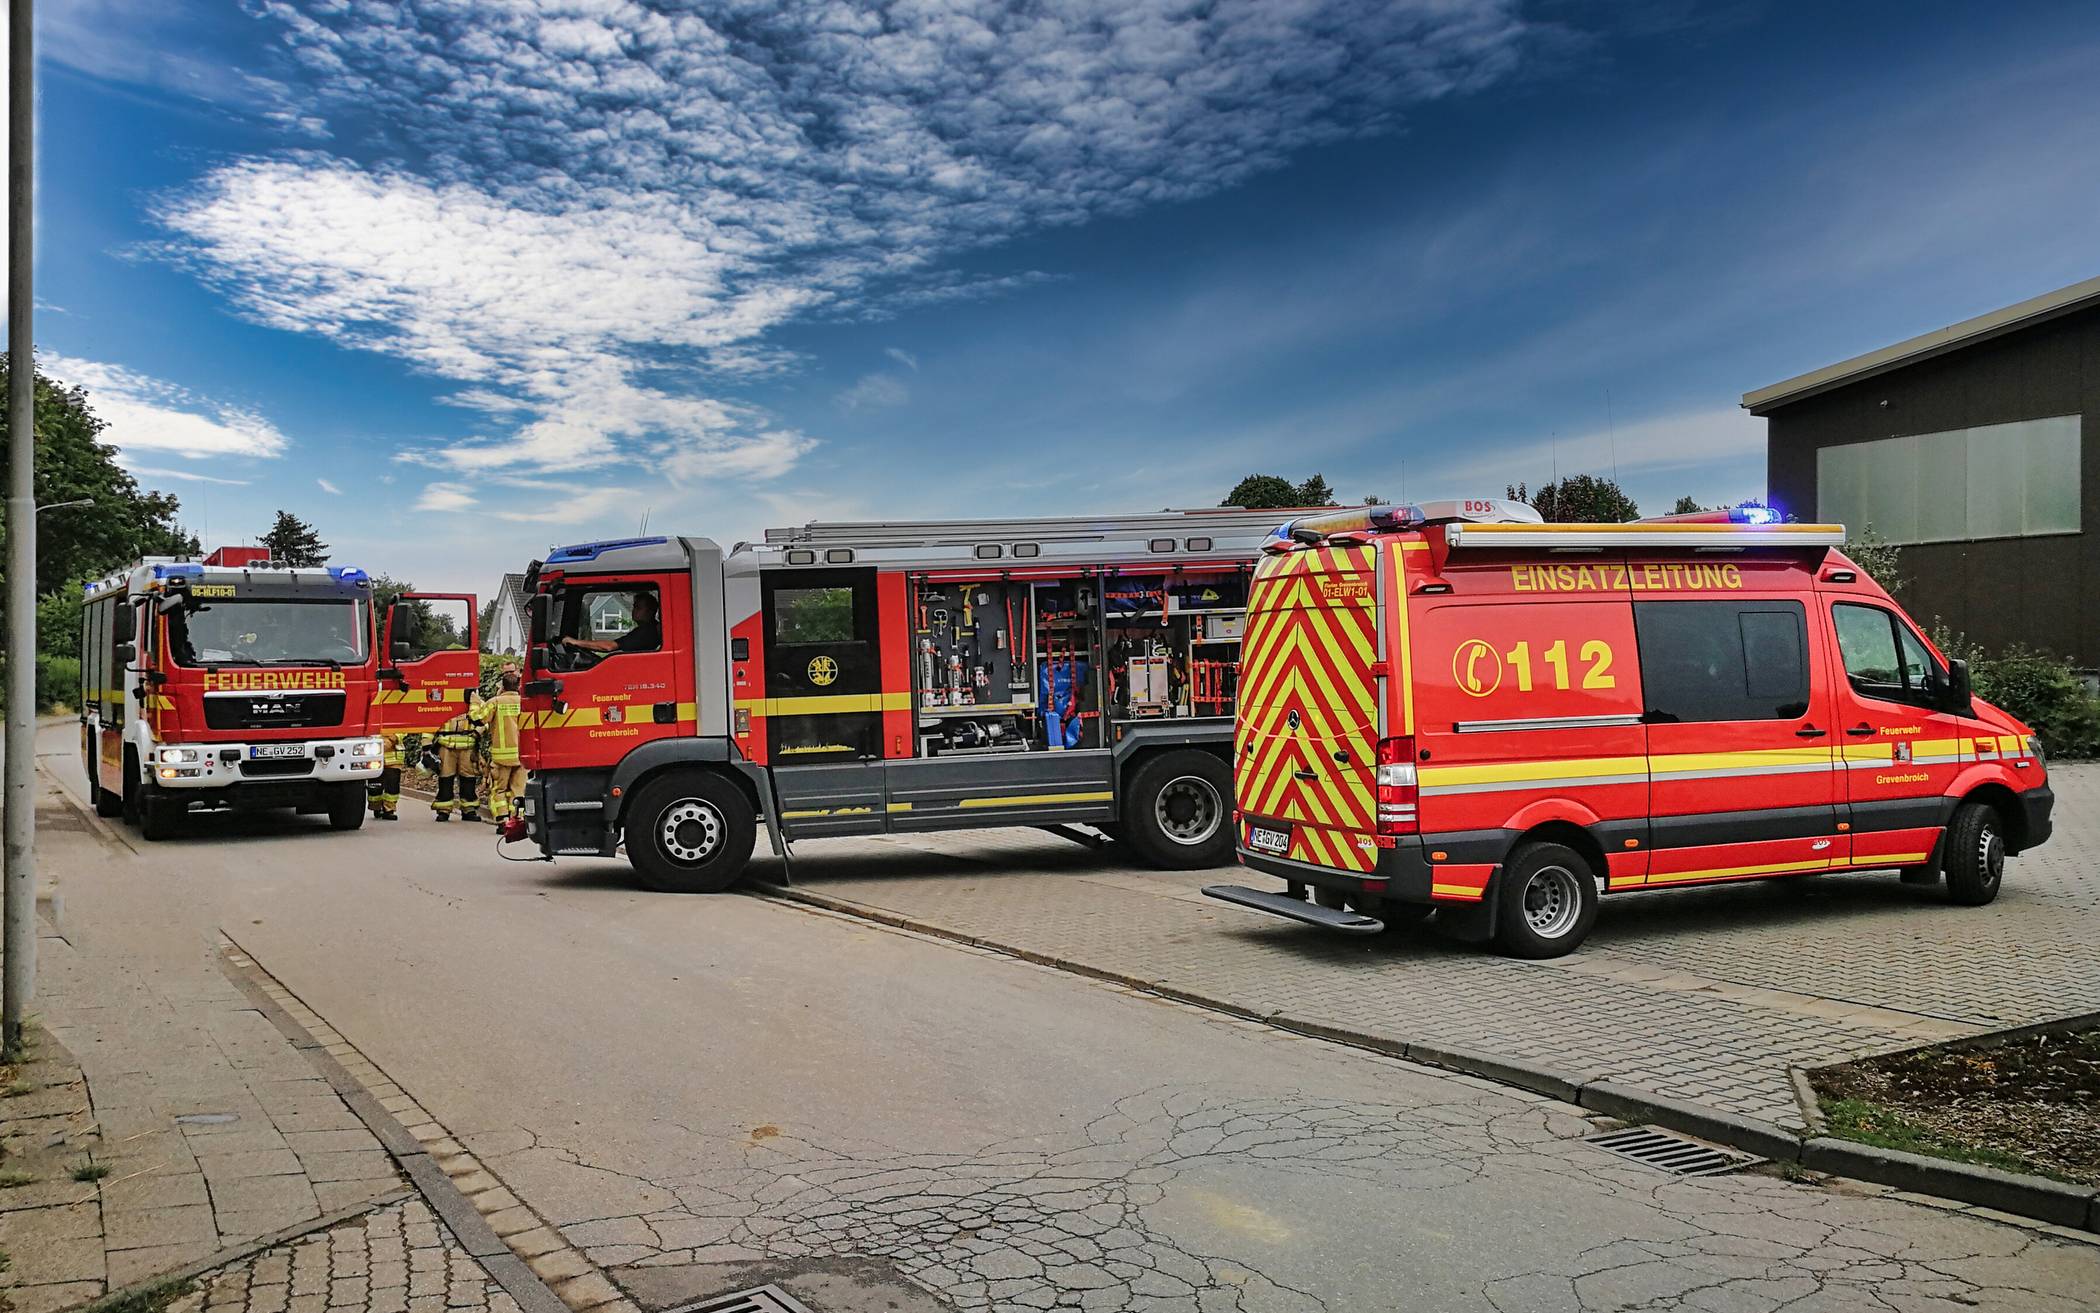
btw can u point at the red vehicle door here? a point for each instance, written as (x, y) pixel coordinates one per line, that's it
(1901, 753)
(608, 680)
(430, 659)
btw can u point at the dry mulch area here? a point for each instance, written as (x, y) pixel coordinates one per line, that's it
(2030, 1104)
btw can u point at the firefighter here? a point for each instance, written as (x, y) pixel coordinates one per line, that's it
(456, 772)
(506, 775)
(397, 750)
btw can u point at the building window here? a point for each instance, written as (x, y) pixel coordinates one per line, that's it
(1997, 481)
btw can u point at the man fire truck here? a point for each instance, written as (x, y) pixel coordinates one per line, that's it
(850, 679)
(231, 683)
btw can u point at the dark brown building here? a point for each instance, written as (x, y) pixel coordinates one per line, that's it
(1973, 447)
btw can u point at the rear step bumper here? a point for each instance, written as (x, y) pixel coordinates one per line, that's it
(1297, 909)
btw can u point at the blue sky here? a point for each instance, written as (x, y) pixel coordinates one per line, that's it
(459, 279)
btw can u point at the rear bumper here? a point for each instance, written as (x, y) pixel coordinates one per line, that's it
(1402, 874)
(2038, 803)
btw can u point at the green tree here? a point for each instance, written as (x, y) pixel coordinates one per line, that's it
(1686, 506)
(1579, 499)
(1315, 492)
(292, 541)
(1262, 492)
(72, 462)
(1880, 558)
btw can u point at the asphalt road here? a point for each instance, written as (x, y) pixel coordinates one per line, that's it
(706, 1091)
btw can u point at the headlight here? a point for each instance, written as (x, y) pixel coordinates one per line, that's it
(178, 754)
(366, 748)
(2034, 747)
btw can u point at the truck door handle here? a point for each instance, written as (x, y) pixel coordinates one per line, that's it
(1305, 775)
(1810, 732)
(1860, 731)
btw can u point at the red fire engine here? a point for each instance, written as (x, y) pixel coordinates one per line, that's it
(231, 683)
(851, 679)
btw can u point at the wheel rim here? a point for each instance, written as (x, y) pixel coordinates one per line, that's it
(1990, 855)
(1552, 901)
(690, 831)
(1188, 810)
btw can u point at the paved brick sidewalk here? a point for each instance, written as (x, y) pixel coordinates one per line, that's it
(1705, 995)
(398, 1259)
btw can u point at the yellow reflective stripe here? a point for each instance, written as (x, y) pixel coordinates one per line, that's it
(1533, 771)
(840, 704)
(1037, 799)
(1775, 868)
(900, 806)
(1670, 763)
(1457, 891)
(827, 811)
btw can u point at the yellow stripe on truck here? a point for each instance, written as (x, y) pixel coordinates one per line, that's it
(1038, 799)
(841, 704)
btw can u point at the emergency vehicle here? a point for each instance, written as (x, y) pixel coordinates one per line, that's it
(1454, 707)
(855, 679)
(231, 683)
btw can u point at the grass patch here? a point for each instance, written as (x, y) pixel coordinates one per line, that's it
(90, 1171)
(10, 1180)
(146, 1299)
(1885, 1128)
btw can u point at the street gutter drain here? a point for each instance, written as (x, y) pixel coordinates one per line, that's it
(763, 1299)
(1669, 1153)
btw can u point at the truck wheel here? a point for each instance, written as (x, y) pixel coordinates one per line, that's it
(346, 806)
(1546, 901)
(160, 816)
(1178, 811)
(690, 832)
(1975, 848)
(134, 787)
(107, 804)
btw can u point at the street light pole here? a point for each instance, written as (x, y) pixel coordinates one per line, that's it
(18, 893)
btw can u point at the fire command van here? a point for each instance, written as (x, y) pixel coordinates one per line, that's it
(1455, 707)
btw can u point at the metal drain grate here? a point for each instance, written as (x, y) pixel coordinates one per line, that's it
(1670, 1153)
(764, 1299)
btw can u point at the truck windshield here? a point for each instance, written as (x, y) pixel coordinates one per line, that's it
(271, 631)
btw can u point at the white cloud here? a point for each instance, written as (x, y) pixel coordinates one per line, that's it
(329, 488)
(575, 507)
(143, 413)
(612, 189)
(874, 392)
(902, 357)
(445, 497)
(187, 476)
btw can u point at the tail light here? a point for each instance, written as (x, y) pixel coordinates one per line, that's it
(1398, 794)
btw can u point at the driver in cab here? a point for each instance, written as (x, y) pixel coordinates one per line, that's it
(646, 636)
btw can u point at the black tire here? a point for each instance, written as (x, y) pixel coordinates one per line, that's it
(134, 787)
(1975, 848)
(160, 816)
(690, 832)
(1546, 901)
(107, 804)
(346, 806)
(1177, 811)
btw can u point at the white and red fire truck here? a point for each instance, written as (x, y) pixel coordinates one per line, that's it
(232, 683)
(853, 679)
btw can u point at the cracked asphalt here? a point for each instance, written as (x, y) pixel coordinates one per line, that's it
(705, 1093)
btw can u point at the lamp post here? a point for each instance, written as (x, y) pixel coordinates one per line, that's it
(18, 882)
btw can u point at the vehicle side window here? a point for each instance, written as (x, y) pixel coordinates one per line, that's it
(1723, 661)
(607, 612)
(1883, 658)
(813, 615)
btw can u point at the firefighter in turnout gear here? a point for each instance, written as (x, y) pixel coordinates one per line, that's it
(506, 774)
(456, 767)
(397, 750)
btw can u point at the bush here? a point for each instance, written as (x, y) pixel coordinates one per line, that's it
(2041, 689)
(57, 681)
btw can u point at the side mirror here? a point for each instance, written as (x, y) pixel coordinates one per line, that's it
(536, 614)
(127, 653)
(402, 652)
(170, 603)
(1957, 694)
(540, 688)
(403, 624)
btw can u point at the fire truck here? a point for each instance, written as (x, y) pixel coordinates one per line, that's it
(877, 678)
(230, 683)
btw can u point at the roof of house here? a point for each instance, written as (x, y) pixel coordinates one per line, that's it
(512, 591)
(1997, 323)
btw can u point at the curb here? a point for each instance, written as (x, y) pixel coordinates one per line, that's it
(2035, 1197)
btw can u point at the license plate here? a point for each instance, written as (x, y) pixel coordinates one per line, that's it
(271, 751)
(1268, 841)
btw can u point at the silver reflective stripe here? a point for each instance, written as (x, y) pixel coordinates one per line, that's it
(1543, 722)
(1501, 786)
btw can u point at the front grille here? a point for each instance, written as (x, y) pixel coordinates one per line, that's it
(286, 766)
(274, 710)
